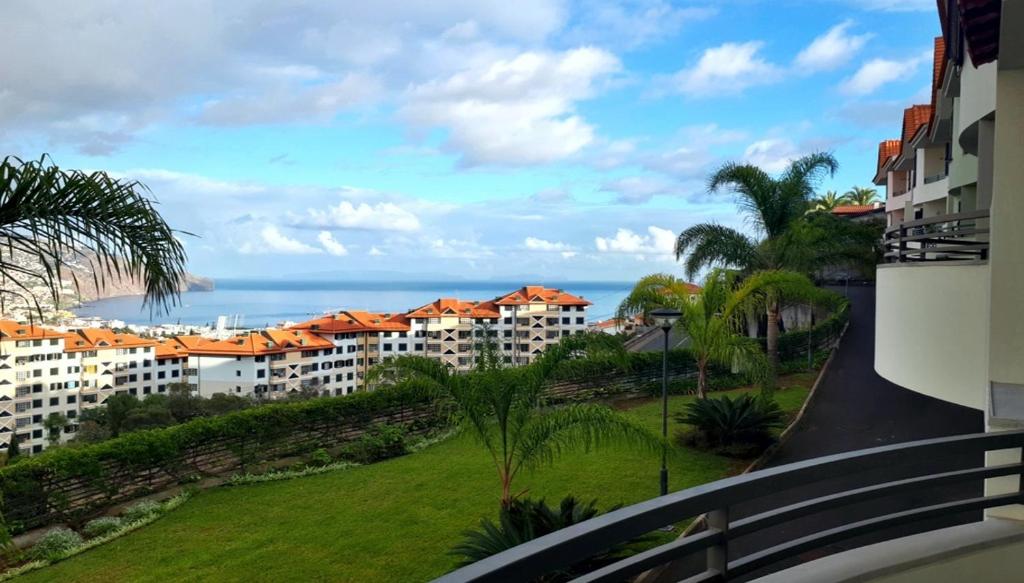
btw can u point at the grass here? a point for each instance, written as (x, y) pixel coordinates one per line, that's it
(392, 521)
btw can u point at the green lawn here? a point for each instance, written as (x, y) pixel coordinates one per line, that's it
(392, 521)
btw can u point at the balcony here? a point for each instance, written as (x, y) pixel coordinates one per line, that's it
(961, 236)
(932, 188)
(713, 549)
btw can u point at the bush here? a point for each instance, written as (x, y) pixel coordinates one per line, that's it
(728, 422)
(54, 544)
(320, 458)
(140, 510)
(101, 526)
(380, 442)
(525, 520)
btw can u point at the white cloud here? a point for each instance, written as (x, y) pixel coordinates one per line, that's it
(458, 249)
(877, 72)
(516, 111)
(535, 244)
(272, 240)
(375, 252)
(658, 242)
(191, 182)
(638, 189)
(331, 245)
(727, 69)
(381, 216)
(771, 154)
(832, 49)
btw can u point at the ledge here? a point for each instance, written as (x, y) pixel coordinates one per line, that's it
(905, 559)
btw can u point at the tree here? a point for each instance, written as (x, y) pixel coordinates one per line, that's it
(118, 408)
(183, 403)
(13, 448)
(772, 207)
(658, 290)
(52, 215)
(503, 407)
(707, 318)
(768, 290)
(861, 195)
(54, 425)
(828, 202)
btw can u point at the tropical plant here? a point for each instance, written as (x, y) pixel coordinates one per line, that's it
(708, 318)
(13, 448)
(828, 201)
(772, 205)
(724, 420)
(504, 408)
(521, 521)
(861, 195)
(380, 442)
(54, 544)
(52, 216)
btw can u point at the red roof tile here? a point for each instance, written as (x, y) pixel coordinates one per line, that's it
(540, 294)
(453, 307)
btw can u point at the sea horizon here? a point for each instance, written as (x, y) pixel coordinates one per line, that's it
(252, 302)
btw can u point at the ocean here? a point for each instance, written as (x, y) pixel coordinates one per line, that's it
(259, 303)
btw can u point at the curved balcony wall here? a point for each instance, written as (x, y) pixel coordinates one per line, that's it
(931, 329)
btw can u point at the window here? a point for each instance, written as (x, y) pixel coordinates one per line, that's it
(508, 320)
(418, 347)
(147, 376)
(174, 373)
(238, 359)
(261, 358)
(261, 373)
(579, 320)
(508, 346)
(386, 348)
(402, 347)
(54, 401)
(161, 374)
(71, 399)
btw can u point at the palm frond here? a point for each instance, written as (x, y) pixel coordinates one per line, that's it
(54, 215)
(712, 245)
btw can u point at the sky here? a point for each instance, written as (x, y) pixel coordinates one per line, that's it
(480, 139)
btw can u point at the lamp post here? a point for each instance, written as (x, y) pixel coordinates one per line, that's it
(665, 318)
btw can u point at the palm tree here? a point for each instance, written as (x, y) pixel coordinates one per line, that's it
(56, 217)
(829, 201)
(504, 408)
(708, 320)
(862, 196)
(772, 206)
(768, 290)
(658, 290)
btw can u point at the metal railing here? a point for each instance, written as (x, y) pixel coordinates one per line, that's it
(956, 237)
(567, 547)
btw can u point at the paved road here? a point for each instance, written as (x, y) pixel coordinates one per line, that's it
(654, 341)
(855, 408)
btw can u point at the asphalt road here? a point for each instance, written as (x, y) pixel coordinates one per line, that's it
(855, 408)
(655, 341)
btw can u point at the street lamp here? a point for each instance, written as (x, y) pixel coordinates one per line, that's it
(665, 318)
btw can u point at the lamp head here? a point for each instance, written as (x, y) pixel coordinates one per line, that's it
(665, 317)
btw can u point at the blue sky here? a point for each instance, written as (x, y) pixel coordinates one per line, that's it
(474, 138)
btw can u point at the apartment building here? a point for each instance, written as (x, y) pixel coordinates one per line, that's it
(451, 330)
(268, 364)
(949, 317)
(535, 317)
(360, 340)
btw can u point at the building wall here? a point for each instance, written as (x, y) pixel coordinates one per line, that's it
(928, 317)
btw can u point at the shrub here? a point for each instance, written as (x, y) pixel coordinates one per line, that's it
(320, 458)
(726, 422)
(101, 526)
(54, 544)
(525, 520)
(380, 442)
(140, 510)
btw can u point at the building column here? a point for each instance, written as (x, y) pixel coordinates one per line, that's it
(1006, 257)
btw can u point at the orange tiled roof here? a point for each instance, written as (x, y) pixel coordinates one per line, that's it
(540, 294)
(268, 341)
(887, 150)
(914, 118)
(173, 347)
(103, 338)
(454, 307)
(854, 209)
(356, 321)
(16, 331)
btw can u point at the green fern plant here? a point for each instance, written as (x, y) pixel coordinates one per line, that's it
(724, 421)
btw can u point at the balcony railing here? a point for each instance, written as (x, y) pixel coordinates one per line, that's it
(567, 547)
(934, 178)
(956, 237)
